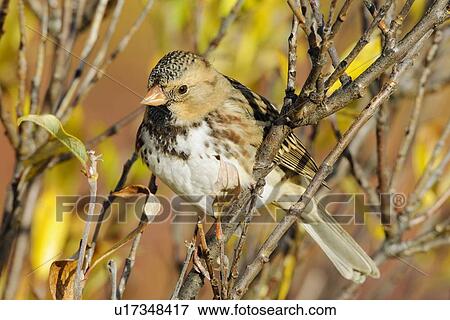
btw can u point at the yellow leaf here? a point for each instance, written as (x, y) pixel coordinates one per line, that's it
(365, 58)
(48, 234)
(417, 9)
(54, 127)
(152, 206)
(289, 265)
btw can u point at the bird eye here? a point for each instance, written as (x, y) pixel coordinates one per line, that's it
(183, 89)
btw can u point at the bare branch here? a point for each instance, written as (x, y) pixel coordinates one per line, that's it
(431, 173)
(92, 176)
(120, 47)
(296, 210)
(100, 57)
(37, 79)
(209, 260)
(292, 59)
(62, 106)
(189, 253)
(22, 69)
(107, 203)
(392, 34)
(129, 264)
(387, 217)
(129, 261)
(340, 18)
(62, 51)
(414, 119)
(365, 38)
(8, 123)
(3, 11)
(224, 25)
(357, 171)
(115, 127)
(112, 268)
(307, 112)
(294, 5)
(234, 271)
(422, 217)
(373, 11)
(22, 243)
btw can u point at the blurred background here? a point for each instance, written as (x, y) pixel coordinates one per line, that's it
(254, 52)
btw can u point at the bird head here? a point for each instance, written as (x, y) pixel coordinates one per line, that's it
(187, 85)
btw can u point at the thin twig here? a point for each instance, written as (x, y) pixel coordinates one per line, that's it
(21, 249)
(101, 54)
(81, 93)
(392, 34)
(224, 25)
(93, 142)
(107, 203)
(3, 12)
(8, 124)
(223, 263)
(234, 269)
(128, 266)
(294, 5)
(62, 107)
(62, 50)
(362, 42)
(208, 260)
(292, 60)
(90, 65)
(296, 210)
(319, 44)
(112, 269)
(414, 119)
(305, 112)
(27, 143)
(387, 216)
(115, 127)
(373, 11)
(22, 69)
(421, 217)
(129, 261)
(92, 176)
(37, 79)
(431, 173)
(340, 18)
(189, 253)
(356, 169)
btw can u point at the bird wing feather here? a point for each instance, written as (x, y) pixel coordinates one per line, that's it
(292, 154)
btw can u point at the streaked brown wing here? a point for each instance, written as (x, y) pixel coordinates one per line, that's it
(261, 108)
(292, 155)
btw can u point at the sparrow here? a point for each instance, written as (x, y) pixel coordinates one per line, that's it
(198, 121)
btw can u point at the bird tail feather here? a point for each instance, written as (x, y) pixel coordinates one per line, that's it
(349, 258)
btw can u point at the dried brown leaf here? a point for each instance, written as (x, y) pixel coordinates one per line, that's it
(61, 279)
(228, 177)
(198, 265)
(132, 191)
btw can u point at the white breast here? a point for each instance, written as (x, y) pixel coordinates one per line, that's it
(198, 174)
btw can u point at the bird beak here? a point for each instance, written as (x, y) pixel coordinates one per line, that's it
(155, 97)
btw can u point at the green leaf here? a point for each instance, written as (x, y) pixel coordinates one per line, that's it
(54, 127)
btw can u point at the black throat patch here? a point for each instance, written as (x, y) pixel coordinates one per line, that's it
(158, 134)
